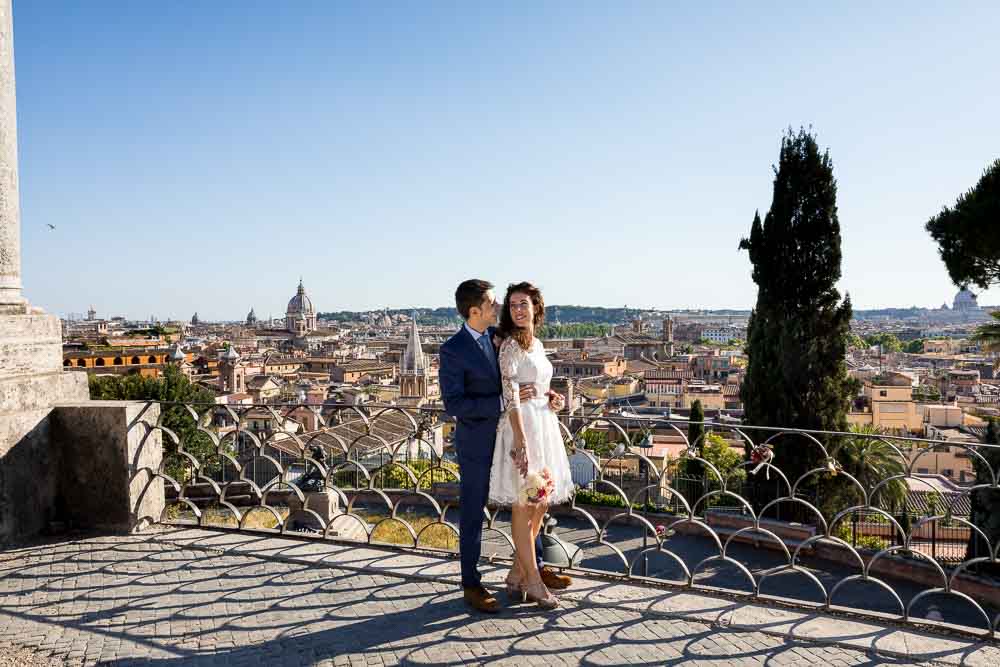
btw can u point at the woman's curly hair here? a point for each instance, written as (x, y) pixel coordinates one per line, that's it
(507, 327)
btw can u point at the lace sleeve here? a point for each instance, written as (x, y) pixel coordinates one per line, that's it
(509, 354)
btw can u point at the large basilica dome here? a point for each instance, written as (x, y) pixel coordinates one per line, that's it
(965, 300)
(300, 316)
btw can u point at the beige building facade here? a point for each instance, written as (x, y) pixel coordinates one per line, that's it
(889, 407)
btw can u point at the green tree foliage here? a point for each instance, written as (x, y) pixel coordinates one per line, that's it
(394, 477)
(914, 346)
(869, 460)
(855, 341)
(798, 331)
(727, 460)
(448, 315)
(695, 428)
(603, 499)
(596, 442)
(579, 330)
(985, 510)
(988, 335)
(967, 235)
(172, 387)
(906, 522)
(888, 341)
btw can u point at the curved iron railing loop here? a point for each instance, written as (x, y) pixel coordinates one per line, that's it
(388, 476)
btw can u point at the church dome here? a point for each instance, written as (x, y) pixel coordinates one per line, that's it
(251, 317)
(965, 300)
(300, 303)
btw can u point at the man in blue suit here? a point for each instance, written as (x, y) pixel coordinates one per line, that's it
(470, 387)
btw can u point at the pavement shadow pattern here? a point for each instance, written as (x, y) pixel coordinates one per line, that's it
(135, 601)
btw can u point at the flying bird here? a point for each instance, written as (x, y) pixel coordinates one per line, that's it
(51, 226)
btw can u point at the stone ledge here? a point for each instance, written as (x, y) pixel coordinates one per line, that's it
(29, 460)
(30, 344)
(41, 391)
(106, 462)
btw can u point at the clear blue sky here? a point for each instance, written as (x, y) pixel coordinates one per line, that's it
(201, 156)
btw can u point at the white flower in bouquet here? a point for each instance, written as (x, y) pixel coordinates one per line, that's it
(538, 487)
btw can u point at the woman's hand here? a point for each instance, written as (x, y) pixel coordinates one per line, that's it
(556, 401)
(519, 453)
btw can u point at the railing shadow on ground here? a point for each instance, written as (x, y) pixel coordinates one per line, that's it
(137, 603)
(390, 473)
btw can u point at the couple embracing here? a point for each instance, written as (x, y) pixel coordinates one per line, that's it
(495, 382)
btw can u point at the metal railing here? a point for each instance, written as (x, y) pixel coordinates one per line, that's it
(842, 534)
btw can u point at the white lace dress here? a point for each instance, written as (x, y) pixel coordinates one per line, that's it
(543, 437)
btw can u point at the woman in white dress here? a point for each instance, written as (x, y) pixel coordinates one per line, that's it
(530, 467)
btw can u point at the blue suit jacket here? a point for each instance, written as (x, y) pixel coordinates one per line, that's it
(470, 389)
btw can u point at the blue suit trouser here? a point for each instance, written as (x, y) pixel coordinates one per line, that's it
(474, 488)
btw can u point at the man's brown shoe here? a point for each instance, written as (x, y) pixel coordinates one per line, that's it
(481, 599)
(553, 580)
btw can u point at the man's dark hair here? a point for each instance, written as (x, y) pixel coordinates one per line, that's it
(471, 294)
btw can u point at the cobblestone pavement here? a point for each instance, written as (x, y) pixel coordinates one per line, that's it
(133, 600)
(693, 549)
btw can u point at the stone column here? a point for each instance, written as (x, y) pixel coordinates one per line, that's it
(10, 207)
(32, 379)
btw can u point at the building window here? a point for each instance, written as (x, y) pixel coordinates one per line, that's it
(80, 363)
(151, 360)
(136, 360)
(883, 393)
(922, 471)
(99, 362)
(66, 362)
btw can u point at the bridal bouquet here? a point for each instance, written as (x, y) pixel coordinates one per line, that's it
(538, 487)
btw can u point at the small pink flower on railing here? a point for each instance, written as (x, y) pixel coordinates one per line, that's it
(762, 455)
(662, 532)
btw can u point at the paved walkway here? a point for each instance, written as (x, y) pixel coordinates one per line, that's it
(192, 597)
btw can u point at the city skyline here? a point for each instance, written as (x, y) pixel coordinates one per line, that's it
(408, 309)
(212, 155)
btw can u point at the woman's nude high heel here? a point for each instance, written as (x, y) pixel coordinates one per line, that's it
(540, 595)
(514, 583)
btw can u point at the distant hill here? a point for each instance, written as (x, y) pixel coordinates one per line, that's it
(569, 314)
(563, 314)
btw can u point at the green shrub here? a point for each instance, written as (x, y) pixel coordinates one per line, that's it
(591, 497)
(873, 542)
(396, 478)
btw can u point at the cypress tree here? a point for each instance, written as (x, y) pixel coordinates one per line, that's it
(798, 330)
(696, 438)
